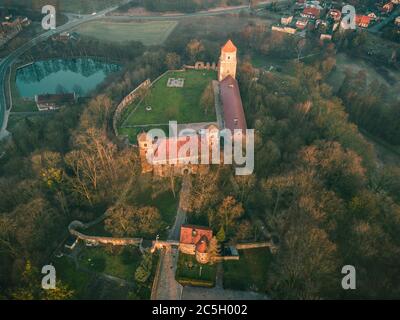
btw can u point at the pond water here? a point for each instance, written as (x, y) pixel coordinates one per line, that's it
(81, 76)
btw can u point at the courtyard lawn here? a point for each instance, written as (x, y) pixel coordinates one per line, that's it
(250, 272)
(180, 104)
(188, 272)
(149, 33)
(132, 132)
(121, 265)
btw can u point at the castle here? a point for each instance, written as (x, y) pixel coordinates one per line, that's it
(233, 118)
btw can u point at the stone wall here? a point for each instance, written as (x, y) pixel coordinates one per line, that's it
(200, 65)
(100, 240)
(126, 101)
(254, 245)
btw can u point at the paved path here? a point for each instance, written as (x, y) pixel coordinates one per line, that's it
(167, 287)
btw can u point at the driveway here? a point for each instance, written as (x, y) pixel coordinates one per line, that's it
(167, 288)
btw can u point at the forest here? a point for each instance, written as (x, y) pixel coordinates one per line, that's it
(318, 186)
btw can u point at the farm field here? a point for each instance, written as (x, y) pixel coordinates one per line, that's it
(149, 33)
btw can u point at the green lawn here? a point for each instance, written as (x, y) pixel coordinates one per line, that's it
(149, 33)
(122, 265)
(76, 280)
(188, 272)
(132, 133)
(250, 272)
(180, 104)
(87, 285)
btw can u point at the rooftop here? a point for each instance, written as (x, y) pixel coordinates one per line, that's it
(232, 104)
(229, 47)
(191, 234)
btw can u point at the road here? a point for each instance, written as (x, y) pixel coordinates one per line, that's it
(6, 63)
(376, 28)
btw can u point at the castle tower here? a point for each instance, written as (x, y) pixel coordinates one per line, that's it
(145, 145)
(227, 61)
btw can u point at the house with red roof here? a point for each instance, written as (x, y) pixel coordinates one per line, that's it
(311, 13)
(194, 240)
(387, 7)
(363, 21)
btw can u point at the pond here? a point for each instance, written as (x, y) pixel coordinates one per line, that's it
(81, 76)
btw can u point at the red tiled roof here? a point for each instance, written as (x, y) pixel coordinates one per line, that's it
(311, 11)
(232, 104)
(191, 234)
(362, 20)
(335, 13)
(165, 144)
(229, 47)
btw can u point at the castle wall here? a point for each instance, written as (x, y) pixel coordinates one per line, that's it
(187, 248)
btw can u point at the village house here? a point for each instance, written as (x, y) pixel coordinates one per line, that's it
(325, 36)
(47, 102)
(335, 14)
(9, 21)
(195, 240)
(311, 13)
(363, 21)
(286, 20)
(387, 8)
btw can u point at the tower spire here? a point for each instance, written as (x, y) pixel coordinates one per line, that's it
(227, 61)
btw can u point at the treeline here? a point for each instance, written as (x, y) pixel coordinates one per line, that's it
(368, 106)
(316, 187)
(181, 5)
(68, 166)
(85, 47)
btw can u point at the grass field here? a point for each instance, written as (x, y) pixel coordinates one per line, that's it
(149, 33)
(92, 286)
(250, 272)
(122, 265)
(180, 104)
